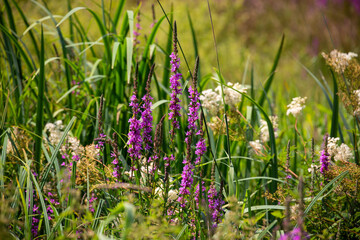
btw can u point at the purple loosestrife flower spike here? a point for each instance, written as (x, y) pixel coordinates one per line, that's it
(146, 115)
(194, 105)
(136, 32)
(325, 157)
(175, 86)
(114, 156)
(215, 201)
(157, 144)
(135, 140)
(188, 170)
(288, 176)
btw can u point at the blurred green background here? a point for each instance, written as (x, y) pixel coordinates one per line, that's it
(247, 32)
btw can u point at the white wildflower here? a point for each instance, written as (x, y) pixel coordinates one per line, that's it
(356, 93)
(55, 132)
(256, 146)
(343, 153)
(231, 96)
(296, 106)
(312, 168)
(332, 146)
(338, 60)
(264, 130)
(210, 100)
(340, 153)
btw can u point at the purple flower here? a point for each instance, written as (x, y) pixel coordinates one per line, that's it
(295, 234)
(215, 203)
(186, 182)
(134, 135)
(197, 192)
(193, 116)
(175, 86)
(325, 161)
(200, 150)
(146, 115)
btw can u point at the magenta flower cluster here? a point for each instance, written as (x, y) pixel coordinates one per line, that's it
(325, 161)
(197, 192)
(135, 139)
(186, 182)
(147, 119)
(215, 203)
(175, 78)
(193, 115)
(295, 234)
(200, 150)
(116, 164)
(188, 170)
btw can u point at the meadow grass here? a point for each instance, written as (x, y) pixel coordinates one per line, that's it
(123, 135)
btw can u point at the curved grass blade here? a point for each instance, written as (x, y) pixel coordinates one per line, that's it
(272, 73)
(40, 104)
(319, 195)
(56, 151)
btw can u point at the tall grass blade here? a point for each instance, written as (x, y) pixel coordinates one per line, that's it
(55, 153)
(335, 109)
(40, 105)
(267, 84)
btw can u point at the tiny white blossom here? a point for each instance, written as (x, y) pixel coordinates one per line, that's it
(343, 153)
(357, 99)
(210, 100)
(332, 146)
(296, 106)
(338, 60)
(256, 145)
(231, 96)
(264, 130)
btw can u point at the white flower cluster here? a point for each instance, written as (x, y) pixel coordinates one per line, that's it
(338, 60)
(256, 146)
(211, 100)
(72, 144)
(296, 106)
(340, 153)
(357, 99)
(55, 131)
(264, 130)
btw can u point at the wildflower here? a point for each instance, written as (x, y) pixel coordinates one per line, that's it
(340, 153)
(215, 205)
(55, 131)
(136, 32)
(344, 153)
(295, 234)
(157, 142)
(146, 115)
(197, 192)
(135, 140)
(210, 100)
(264, 130)
(356, 94)
(231, 96)
(296, 106)
(338, 60)
(325, 156)
(175, 86)
(188, 170)
(256, 146)
(332, 145)
(91, 203)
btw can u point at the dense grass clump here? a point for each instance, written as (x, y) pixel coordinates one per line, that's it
(122, 136)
